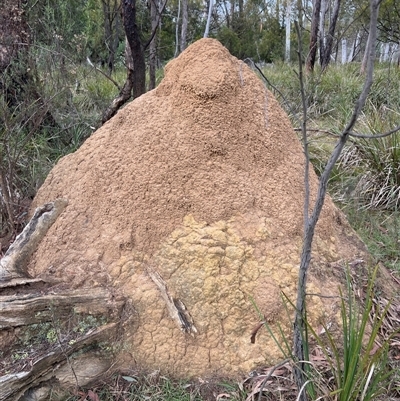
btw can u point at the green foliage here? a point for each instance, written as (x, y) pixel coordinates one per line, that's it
(389, 21)
(230, 39)
(255, 33)
(58, 24)
(162, 389)
(371, 167)
(271, 48)
(84, 323)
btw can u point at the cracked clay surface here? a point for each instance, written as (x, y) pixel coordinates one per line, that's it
(201, 179)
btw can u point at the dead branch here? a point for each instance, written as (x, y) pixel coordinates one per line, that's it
(13, 264)
(109, 77)
(176, 308)
(13, 386)
(31, 309)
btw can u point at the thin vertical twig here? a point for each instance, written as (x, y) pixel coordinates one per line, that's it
(301, 290)
(299, 323)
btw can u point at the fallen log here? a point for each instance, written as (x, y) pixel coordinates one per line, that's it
(32, 309)
(14, 385)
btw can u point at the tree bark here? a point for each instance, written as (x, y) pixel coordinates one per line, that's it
(288, 16)
(210, 8)
(178, 17)
(124, 95)
(135, 83)
(326, 57)
(153, 44)
(322, 29)
(111, 11)
(23, 310)
(133, 37)
(13, 386)
(33, 304)
(185, 18)
(241, 10)
(314, 36)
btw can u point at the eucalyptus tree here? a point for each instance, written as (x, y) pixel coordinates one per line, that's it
(389, 21)
(324, 20)
(136, 46)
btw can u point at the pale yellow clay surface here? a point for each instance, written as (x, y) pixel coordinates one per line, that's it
(200, 180)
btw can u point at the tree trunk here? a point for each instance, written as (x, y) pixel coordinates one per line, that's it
(135, 44)
(135, 83)
(210, 7)
(311, 220)
(111, 11)
(366, 55)
(344, 51)
(288, 26)
(355, 48)
(126, 92)
(28, 385)
(153, 44)
(13, 264)
(314, 36)
(177, 30)
(322, 29)
(23, 310)
(241, 11)
(326, 57)
(185, 18)
(233, 5)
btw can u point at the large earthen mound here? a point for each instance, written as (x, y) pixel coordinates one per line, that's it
(197, 185)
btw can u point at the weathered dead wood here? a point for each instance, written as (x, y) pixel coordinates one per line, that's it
(176, 308)
(13, 264)
(34, 301)
(15, 282)
(29, 309)
(13, 386)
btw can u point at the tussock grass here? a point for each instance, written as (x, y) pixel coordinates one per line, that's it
(366, 180)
